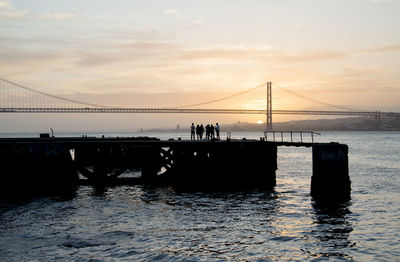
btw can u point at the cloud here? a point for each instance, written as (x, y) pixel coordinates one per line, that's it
(384, 1)
(10, 12)
(270, 54)
(385, 48)
(4, 5)
(198, 21)
(133, 52)
(59, 16)
(261, 53)
(181, 16)
(170, 11)
(128, 35)
(176, 13)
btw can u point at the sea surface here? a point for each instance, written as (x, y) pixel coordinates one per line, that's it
(146, 223)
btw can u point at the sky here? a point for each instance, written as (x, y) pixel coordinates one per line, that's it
(344, 52)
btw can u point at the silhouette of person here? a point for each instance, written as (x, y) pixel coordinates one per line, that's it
(201, 131)
(217, 129)
(212, 129)
(207, 131)
(192, 133)
(198, 132)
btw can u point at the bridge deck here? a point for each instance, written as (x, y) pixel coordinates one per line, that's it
(191, 111)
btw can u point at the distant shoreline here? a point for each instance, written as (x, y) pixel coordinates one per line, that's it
(338, 124)
(321, 125)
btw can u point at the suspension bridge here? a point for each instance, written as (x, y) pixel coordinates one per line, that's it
(17, 98)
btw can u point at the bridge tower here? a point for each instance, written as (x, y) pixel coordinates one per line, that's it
(269, 107)
(378, 120)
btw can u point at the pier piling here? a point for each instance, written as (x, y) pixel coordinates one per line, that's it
(330, 179)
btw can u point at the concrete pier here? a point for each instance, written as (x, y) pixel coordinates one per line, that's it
(189, 163)
(54, 164)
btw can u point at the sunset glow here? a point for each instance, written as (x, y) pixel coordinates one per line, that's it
(342, 52)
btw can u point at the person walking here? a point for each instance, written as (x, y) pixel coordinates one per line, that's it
(192, 132)
(217, 129)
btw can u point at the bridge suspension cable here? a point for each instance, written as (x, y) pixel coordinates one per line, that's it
(222, 98)
(314, 100)
(52, 96)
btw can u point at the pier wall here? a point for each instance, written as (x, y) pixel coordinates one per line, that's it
(39, 168)
(223, 164)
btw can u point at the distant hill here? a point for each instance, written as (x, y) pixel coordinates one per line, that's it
(338, 124)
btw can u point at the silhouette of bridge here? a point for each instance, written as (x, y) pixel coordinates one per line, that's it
(16, 98)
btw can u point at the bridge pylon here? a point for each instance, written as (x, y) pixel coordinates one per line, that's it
(269, 107)
(378, 120)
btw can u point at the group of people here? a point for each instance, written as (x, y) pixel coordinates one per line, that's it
(212, 132)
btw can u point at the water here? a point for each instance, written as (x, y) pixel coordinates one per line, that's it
(142, 223)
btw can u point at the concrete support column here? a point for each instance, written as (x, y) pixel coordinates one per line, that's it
(330, 179)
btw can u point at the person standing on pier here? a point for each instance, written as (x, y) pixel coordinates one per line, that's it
(192, 132)
(207, 131)
(198, 132)
(212, 134)
(201, 131)
(217, 129)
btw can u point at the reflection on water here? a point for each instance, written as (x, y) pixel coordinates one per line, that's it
(332, 229)
(160, 223)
